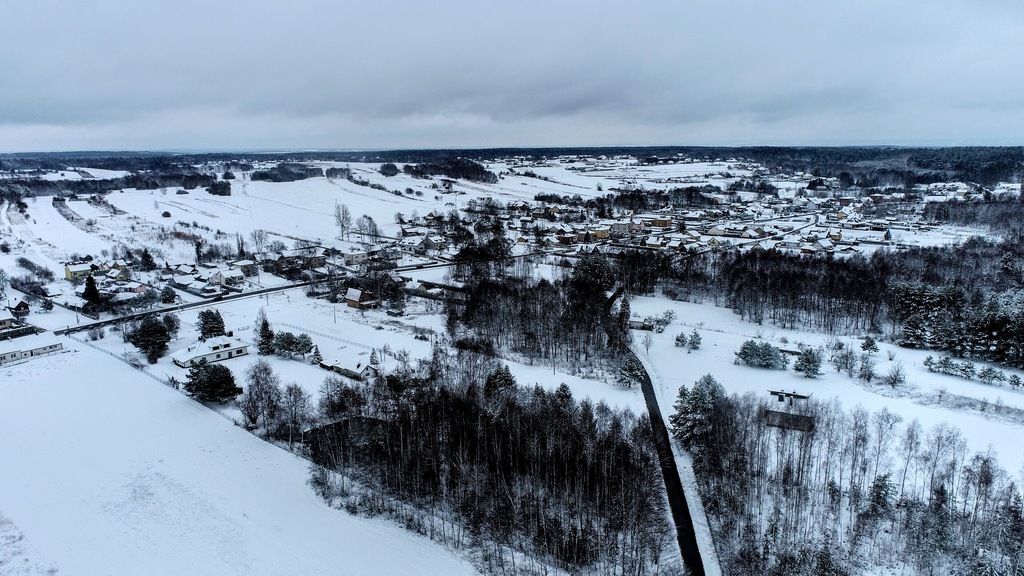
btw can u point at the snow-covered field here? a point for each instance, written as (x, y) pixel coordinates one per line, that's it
(108, 472)
(924, 396)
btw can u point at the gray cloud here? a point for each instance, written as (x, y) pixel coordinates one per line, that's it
(263, 74)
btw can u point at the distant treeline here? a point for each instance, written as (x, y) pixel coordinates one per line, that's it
(287, 172)
(966, 300)
(17, 188)
(460, 168)
(863, 166)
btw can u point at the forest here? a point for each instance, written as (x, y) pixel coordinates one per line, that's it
(528, 478)
(965, 300)
(858, 489)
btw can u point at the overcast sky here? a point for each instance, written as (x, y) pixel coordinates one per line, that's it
(129, 74)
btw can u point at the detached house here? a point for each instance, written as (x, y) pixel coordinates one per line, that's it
(213, 350)
(361, 299)
(6, 320)
(77, 270)
(19, 310)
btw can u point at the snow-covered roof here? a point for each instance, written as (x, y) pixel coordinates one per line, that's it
(82, 267)
(31, 342)
(215, 344)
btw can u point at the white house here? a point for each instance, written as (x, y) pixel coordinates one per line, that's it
(28, 347)
(6, 319)
(213, 350)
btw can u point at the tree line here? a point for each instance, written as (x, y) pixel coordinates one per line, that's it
(859, 489)
(528, 477)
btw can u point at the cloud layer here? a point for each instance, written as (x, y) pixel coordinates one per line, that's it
(120, 74)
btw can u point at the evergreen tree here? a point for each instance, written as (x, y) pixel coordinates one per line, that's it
(151, 338)
(869, 345)
(696, 431)
(211, 324)
(695, 340)
(211, 382)
(681, 341)
(761, 355)
(632, 372)
(47, 305)
(678, 418)
(265, 345)
(146, 261)
(168, 295)
(374, 359)
(498, 381)
(317, 358)
(809, 363)
(91, 294)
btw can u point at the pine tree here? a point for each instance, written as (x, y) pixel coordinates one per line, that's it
(265, 345)
(681, 341)
(374, 359)
(211, 324)
(624, 314)
(146, 261)
(678, 418)
(869, 345)
(168, 295)
(317, 358)
(211, 382)
(695, 340)
(809, 363)
(91, 294)
(151, 337)
(632, 372)
(499, 380)
(696, 431)
(47, 305)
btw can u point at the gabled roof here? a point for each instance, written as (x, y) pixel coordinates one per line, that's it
(211, 346)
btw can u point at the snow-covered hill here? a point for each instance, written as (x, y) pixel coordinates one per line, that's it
(106, 471)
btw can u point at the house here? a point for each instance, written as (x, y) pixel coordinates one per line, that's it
(417, 244)
(213, 350)
(353, 257)
(358, 371)
(115, 274)
(182, 281)
(361, 299)
(28, 347)
(6, 319)
(77, 270)
(19, 310)
(232, 277)
(246, 267)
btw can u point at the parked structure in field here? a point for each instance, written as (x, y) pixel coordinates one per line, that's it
(213, 350)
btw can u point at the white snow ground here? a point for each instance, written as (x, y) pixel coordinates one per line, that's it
(107, 472)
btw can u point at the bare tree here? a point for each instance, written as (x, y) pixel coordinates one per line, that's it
(259, 239)
(342, 219)
(295, 410)
(262, 397)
